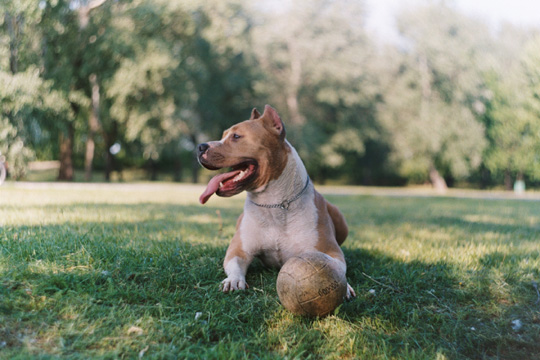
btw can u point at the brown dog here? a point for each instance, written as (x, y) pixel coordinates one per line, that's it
(283, 214)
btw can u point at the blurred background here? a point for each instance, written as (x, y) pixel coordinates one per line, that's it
(386, 93)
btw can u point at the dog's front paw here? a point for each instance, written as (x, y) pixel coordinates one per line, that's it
(350, 293)
(233, 283)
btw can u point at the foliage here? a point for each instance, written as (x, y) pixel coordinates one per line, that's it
(431, 108)
(317, 58)
(186, 81)
(26, 101)
(158, 77)
(529, 159)
(513, 113)
(123, 270)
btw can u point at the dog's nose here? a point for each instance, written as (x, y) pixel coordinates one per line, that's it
(202, 148)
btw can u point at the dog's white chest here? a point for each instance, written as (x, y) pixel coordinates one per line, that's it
(274, 235)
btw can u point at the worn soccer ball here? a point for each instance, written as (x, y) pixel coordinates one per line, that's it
(312, 284)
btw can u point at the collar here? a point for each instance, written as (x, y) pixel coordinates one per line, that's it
(284, 205)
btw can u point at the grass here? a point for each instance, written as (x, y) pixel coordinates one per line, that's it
(132, 271)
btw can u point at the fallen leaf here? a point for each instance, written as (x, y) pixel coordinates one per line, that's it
(135, 330)
(141, 353)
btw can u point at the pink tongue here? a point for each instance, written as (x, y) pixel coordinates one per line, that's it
(213, 185)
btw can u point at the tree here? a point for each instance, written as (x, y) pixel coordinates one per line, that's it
(29, 107)
(26, 101)
(316, 60)
(530, 161)
(185, 77)
(61, 62)
(513, 112)
(431, 109)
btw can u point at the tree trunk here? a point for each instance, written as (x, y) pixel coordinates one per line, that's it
(508, 183)
(65, 172)
(12, 24)
(110, 161)
(109, 164)
(89, 156)
(93, 127)
(485, 177)
(195, 166)
(153, 169)
(437, 181)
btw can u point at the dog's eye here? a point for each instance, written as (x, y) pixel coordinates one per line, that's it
(236, 136)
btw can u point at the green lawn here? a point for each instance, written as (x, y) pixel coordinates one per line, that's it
(129, 271)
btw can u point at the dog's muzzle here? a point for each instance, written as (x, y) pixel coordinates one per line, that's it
(201, 148)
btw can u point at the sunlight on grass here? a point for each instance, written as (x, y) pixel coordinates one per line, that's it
(110, 271)
(490, 219)
(203, 219)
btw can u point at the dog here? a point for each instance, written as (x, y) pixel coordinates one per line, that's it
(284, 215)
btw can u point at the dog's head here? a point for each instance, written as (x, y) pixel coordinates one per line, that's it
(254, 150)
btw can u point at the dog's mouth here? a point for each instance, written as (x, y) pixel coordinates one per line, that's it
(232, 182)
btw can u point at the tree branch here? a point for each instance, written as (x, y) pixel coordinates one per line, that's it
(84, 12)
(95, 3)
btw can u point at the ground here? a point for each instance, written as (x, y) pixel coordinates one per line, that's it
(132, 271)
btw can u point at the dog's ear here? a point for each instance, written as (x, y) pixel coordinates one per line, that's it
(274, 120)
(255, 114)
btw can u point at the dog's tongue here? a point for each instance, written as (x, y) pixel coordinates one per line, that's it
(213, 185)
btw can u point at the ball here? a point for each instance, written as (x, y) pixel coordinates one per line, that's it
(312, 284)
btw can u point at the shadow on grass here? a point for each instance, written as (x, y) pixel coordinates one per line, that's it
(142, 274)
(435, 307)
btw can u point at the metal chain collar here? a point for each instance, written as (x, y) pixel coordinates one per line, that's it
(284, 205)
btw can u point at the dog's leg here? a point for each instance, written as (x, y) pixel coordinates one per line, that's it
(236, 269)
(236, 263)
(337, 255)
(351, 294)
